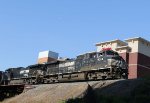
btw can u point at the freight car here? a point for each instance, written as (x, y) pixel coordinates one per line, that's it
(6, 89)
(106, 64)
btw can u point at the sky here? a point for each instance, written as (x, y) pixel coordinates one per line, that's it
(69, 27)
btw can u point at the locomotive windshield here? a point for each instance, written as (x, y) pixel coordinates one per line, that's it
(108, 53)
(111, 53)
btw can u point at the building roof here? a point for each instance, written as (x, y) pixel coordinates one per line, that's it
(112, 41)
(138, 38)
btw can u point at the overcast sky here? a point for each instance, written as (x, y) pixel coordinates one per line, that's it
(69, 27)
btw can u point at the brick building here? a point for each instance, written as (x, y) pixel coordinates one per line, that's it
(136, 52)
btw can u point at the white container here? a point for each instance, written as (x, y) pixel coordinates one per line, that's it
(46, 54)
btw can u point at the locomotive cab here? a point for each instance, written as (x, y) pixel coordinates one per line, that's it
(108, 53)
(112, 62)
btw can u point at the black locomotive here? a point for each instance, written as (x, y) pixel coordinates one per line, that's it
(106, 64)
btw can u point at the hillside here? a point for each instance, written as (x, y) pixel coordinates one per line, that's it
(107, 91)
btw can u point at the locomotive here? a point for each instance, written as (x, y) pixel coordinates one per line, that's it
(106, 64)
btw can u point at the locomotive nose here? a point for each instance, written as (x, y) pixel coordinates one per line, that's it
(114, 61)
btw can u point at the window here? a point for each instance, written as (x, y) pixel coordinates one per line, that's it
(115, 53)
(109, 52)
